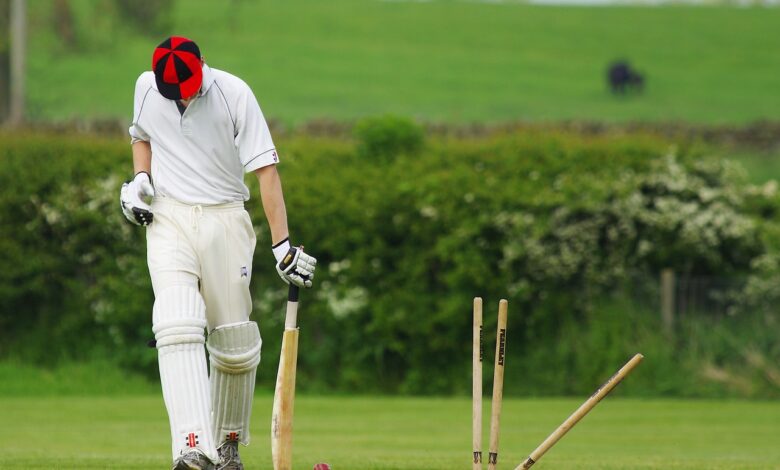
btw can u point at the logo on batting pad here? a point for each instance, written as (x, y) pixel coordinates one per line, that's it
(191, 440)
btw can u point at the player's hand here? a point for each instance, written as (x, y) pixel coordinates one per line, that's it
(131, 198)
(293, 265)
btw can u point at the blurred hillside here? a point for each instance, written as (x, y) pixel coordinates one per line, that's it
(436, 61)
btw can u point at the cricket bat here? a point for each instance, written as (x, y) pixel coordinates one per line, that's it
(284, 395)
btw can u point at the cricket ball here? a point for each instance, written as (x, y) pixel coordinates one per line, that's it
(322, 466)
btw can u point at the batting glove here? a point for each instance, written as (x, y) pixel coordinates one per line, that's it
(293, 265)
(131, 198)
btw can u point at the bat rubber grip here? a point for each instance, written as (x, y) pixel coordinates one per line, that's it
(292, 293)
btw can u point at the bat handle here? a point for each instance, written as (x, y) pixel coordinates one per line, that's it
(292, 293)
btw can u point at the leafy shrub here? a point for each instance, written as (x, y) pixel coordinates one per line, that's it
(554, 222)
(387, 136)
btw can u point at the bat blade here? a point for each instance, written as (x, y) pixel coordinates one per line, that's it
(284, 401)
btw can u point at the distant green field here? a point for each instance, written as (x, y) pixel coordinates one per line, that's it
(760, 167)
(404, 433)
(439, 60)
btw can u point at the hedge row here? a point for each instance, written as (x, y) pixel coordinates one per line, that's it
(407, 231)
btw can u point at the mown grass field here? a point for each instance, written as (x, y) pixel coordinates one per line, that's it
(450, 61)
(403, 433)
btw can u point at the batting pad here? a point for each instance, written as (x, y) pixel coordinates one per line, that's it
(234, 352)
(178, 321)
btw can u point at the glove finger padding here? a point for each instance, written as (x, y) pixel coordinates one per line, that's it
(297, 280)
(306, 263)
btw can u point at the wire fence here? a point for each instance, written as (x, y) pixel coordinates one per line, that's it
(705, 295)
(677, 296)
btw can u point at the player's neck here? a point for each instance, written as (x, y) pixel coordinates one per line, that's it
(189, 100)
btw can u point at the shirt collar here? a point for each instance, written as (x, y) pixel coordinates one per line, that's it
(208, 79)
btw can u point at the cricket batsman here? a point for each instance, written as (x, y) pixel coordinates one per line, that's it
(195, 132)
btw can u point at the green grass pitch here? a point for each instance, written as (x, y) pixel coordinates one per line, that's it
(404, 433)
(449, 61)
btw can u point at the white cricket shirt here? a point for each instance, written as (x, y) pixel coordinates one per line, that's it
(200, 156)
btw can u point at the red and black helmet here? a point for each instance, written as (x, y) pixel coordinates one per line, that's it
(177, 68)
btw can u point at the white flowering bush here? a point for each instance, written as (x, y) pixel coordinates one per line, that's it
(691, 218)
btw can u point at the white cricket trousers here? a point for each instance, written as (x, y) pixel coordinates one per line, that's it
(200, 262)
(207, 247)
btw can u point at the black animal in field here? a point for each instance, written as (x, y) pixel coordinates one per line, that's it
(623, 78)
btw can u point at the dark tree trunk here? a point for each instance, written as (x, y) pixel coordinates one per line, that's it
(5, 59)
(64, 24)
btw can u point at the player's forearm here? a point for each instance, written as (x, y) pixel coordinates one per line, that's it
(142, 157)
(273, 202)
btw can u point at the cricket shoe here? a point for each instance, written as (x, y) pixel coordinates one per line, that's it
(193, 460)
(228, 456)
